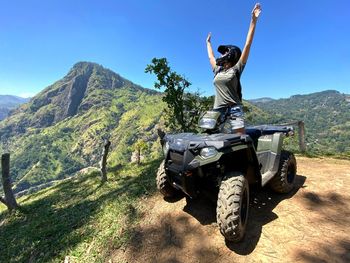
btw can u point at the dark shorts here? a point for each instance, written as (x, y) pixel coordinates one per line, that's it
(233, 118)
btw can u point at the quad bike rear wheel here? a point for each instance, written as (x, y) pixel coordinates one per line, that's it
(233, 206)
(283, 181)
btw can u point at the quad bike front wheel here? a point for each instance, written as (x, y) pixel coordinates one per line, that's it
(163, 183)
(233, 206)
(283, 181)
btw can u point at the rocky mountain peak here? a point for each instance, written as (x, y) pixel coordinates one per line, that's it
(75, 93)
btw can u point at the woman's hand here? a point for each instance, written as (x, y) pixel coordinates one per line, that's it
(256, 11)
(209, 37)
(255, 14)
(210, 52)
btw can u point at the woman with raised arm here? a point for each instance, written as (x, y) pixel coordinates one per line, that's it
(227, 73)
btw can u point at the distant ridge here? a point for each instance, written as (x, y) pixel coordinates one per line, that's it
(261, 100)
(11, 100)
(8, 103)
(326, 115)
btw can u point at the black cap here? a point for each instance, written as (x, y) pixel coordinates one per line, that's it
(222, 49)
(231, 54)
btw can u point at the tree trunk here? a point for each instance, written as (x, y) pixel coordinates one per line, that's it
(9, 200)
(104, 161)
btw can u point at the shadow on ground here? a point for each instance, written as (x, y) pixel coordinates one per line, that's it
(164, 241)
(331, 207)
(336, 251)
(333, 213)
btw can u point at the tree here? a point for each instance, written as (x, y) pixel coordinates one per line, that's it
(9, 199)
(183, 108)
(139, 146)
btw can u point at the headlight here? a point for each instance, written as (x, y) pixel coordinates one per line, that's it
(166, 148)
(208, 152)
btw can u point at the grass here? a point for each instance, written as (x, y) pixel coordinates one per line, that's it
(79, 218)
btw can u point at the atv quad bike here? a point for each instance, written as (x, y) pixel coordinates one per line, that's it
(226, 165)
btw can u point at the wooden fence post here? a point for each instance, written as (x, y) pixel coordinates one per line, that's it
(9, 199)
(104, 161)
(302, 145)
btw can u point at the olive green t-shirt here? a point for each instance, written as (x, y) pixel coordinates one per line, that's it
(227, 85)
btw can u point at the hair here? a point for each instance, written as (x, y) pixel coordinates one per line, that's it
(230, 54)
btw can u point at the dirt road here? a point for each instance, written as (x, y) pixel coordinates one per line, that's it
(311, 224)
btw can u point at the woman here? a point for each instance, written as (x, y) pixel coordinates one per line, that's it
(227, 70)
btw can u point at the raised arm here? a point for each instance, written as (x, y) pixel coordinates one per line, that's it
(210, 52)
(255, 14)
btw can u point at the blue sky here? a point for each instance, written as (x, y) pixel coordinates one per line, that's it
(300, 46)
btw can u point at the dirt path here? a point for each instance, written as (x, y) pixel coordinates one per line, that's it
(311, 224)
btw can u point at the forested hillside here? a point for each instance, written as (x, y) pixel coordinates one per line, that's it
(63, 128)
(326, 115)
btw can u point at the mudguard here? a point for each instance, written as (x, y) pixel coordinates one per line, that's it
(269, 153)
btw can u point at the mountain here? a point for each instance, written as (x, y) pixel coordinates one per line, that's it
(326, 116)
(261, 100)
(62, 129)
(9, 102)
